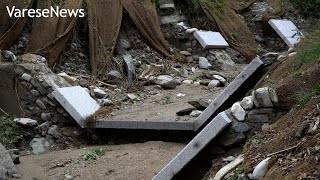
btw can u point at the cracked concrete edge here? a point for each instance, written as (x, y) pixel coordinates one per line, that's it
(156, 125)
(228, 92)
(194, 147)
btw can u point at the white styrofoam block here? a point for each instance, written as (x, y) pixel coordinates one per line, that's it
(209, 39)
(286, 30)
(77, 102)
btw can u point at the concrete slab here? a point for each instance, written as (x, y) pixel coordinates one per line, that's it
(286, 30)
(227, 93)
(209, 39)
(194, 147)
(132, 124)
(172, 19)
(77, 102)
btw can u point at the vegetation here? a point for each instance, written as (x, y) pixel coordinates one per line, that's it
(8, 130)
(306, 96)
(308, 8)
(91, 156)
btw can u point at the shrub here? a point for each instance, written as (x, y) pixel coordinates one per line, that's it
(309, 7)
(8, 130)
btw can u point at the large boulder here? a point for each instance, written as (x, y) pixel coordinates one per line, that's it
(7, 168)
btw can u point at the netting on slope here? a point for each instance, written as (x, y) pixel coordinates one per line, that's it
(231, 26)
(10, 28)
(50, 34)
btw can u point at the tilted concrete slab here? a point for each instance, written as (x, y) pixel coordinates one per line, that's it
(227, 93)
(194, 147)
(132, 124)
(209, 39)
(286, 30)
(77, 102)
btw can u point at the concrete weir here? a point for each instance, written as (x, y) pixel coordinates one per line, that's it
(248, 75)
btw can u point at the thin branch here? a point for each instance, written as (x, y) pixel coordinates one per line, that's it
(287, 149)
(4, 112)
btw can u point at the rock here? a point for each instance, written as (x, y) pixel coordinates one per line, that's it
(45, 116)
(35, 92)
(39, 145)
(132, 96)
(213, 84)
(261, 97)
(204, 63)
(186, 111)
(265, 126)
(41, 104)
(199, 104)
(179, 95)
(15, 158)
(9, 56)
(7, 168)
(260, 170)
(99, 93)
(220, 78)
(114, 77)
(68, 78)
(232, 139)
(165, 81)
(129, 67)
(178, 81)
(273, 96)
(240, 127)
(189, 59)
(228, 159)
(105, 102)
(205, 82)
(26, 77)
(189, 82)
(260, 39)
(224, 60)
(210, 74)
(238, 112)
(262, 115)
(54, 131)
(186, 53)
(124, 43)
(247, 103)
(195, 113)
(43, 128)
(68, 176)
(26, 121)
(195, 58)
(191, 30)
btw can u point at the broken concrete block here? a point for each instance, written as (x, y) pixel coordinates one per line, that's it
(194, 147)
(209, 39)
(172, 19)
(77, 102)
(287, 31)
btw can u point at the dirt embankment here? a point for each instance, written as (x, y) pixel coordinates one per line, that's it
(293, 142)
